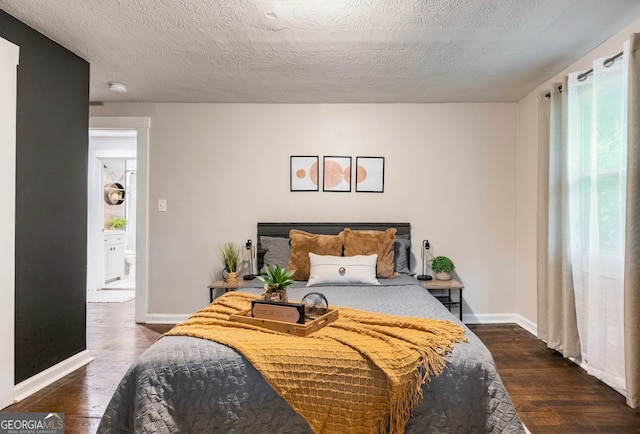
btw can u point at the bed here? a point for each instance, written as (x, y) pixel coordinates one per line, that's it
(187, 384)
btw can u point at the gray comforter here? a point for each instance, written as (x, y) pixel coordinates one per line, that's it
(191, 385)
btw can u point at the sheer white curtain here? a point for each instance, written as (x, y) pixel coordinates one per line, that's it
(557, 324)
(597, 163)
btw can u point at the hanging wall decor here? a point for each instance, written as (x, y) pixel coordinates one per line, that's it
(304, 173)
(337, 174)
(370, 174)
(114, 193)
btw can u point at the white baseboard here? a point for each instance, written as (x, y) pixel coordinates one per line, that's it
(527, 324)
(489, 318)
(166, 318)
(50, 375)
(502, 318)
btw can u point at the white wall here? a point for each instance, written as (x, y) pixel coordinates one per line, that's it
(527, 162)
(224, 167)
(8, 78)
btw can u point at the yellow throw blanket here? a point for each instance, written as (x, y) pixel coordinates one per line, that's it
(362, 373)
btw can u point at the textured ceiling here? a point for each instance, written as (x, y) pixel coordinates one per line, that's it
(324, 51)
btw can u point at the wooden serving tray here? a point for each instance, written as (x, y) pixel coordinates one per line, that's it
(287, 327)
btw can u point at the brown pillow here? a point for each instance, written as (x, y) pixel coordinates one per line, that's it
(370, 242)
(303, 243)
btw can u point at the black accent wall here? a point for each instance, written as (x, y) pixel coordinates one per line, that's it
(51, 200)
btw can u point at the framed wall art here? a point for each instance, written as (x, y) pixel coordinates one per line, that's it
(304, 173)
(337, 174)
(370, 174)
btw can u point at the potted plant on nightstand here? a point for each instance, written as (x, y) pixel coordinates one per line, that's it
(230, 256)
(442, 267)
(276, 282)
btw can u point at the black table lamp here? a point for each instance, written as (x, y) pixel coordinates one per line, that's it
(426, 257)
(249, 247)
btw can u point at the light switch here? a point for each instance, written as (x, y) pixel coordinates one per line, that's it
(162, 205)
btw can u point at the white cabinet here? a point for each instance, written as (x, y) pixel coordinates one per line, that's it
(113, 256)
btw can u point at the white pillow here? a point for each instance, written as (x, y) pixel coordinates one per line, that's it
(342, 270)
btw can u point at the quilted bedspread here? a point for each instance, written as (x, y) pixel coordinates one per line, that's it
(191, 385)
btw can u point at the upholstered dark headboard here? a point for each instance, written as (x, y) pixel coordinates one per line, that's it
(281, 230)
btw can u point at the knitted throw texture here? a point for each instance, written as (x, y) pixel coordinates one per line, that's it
(361, 374)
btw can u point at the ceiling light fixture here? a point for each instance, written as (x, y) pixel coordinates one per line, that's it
(117, 87)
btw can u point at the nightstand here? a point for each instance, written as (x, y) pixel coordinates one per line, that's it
(221, 284)
(446, 285)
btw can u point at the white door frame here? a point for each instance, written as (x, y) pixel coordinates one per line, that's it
(9, 56)
(142, 126)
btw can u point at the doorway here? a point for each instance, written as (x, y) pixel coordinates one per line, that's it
(117, 208)
(119, 180)
(115, 211)
(111, 215)
(9, 54)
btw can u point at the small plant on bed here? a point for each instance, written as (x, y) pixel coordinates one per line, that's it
(442, 267)
(230, 257)
(276, 282)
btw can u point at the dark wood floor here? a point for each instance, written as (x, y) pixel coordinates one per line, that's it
(115, 341)
(551, 394)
